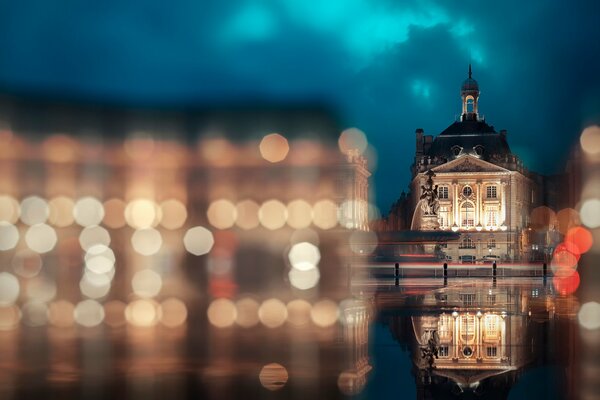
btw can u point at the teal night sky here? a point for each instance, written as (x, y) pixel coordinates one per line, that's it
(384, 66)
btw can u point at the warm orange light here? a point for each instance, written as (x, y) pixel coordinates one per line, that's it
(352, 139)
(221, 214)
(247, 214)
(274, 147)
(566, 285)
(273, 376)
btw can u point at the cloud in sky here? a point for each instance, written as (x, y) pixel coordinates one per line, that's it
(385, 66)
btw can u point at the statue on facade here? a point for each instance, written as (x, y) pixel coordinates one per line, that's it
(430, 194)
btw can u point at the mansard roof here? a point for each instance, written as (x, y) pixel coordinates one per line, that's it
(470, 137)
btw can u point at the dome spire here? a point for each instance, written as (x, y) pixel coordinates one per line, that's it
(469, 92)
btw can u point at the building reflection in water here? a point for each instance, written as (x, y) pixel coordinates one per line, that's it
(485, 336)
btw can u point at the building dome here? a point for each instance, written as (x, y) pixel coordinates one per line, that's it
(469, 84)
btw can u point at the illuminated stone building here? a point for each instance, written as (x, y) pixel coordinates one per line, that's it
(485, 192)
(486, 335)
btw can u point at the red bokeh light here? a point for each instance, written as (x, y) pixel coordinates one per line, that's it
(578, 240)
(566, 285)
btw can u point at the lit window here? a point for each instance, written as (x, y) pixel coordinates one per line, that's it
(491, 192)
(443, 214)
(443, 192)
(491, 216)
(492, 330)
(470, 104)
(467, 214)
(443, 351)
(491, 243)
(467, 243)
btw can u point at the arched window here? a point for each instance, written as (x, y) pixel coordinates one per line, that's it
(467, 243)
(470, 104)
(467, 214)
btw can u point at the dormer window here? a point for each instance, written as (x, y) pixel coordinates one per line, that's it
(478, 150)
(456, 150)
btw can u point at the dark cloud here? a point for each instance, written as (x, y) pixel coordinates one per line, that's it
(387, 67)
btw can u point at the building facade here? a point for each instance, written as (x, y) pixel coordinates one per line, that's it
(484, 190)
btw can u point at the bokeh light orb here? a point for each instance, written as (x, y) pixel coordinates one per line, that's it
(9, 288)
(567, 218)
(34, 314)
(304, 280)
(300, 214)
(26, 263)
(247, 312)
(273, 376)
(566, 285)
(590, 213)
(92, 236)
(9, 317)
(142, 214)
(9, 236)
(304, 256)
(34, 210)
(272, 214)
(590, 140)
(99, 259)
(580, 239)
(9, 209)
(142, 313)
(563, 262)
(589, 315)
(324, 313)
(61, 211)
(221, 313)
(221, 214)
(198, 240)
(174, 214)
(173, 313)
(247, 214)
(88, 211)
(40, 238)
(146, 241)
(298, 312)
(352, 139)
(41, 289)
(325, 214)
(146, 283)
(274, 147)
(272, 313)
(88, 313)
(94, 286)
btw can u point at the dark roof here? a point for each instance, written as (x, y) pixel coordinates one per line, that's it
(470, 84)
(468, 128)
(468, 135)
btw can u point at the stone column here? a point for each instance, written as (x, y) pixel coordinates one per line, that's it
(455, 202)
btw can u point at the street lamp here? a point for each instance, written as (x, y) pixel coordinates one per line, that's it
(454, 227)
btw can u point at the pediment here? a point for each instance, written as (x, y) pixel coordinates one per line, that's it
(468, 163)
